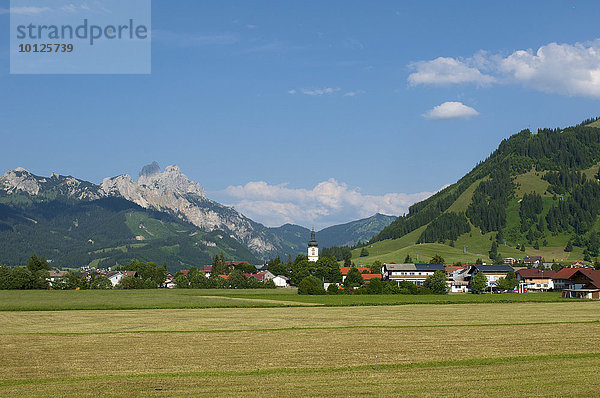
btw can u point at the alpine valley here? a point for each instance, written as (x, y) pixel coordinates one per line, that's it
(162, 217)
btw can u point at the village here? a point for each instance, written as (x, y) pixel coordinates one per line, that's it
(577, 280)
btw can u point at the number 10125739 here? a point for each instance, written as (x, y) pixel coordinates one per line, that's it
(46, 48)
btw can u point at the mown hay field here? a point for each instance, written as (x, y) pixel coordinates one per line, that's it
(47, 300)
(494, 349)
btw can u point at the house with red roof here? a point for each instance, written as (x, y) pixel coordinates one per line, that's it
(369, 277)
(344, 271)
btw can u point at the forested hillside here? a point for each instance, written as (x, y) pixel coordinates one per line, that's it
(537, 193)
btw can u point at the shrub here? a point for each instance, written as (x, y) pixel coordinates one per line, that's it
(311, 285)
(333, 289)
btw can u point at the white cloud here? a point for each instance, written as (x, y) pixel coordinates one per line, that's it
(444, 71)
(568, 69)
(450, 110)
(320, 91)
(557, 68)
(292, 91)
(328, 203)
(24, 10)
(251, 26)
(354, 93)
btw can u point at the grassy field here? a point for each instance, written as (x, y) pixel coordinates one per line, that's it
(494, 349)
(47, 300)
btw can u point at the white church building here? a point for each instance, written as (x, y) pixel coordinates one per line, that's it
(313, 248)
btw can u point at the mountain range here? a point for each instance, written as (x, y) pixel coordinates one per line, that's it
(162, 217)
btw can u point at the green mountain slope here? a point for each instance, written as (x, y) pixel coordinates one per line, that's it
(536, 192)
(104, 232)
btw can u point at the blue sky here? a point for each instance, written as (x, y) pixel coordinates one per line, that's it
(313, 112)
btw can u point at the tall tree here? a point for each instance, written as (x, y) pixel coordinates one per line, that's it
(353, 278)
(437, 259)
(437, 283)
(478, 283)
(34, 264)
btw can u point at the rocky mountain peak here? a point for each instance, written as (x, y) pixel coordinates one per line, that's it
(150, 170)
(172, 180)
(19, 180)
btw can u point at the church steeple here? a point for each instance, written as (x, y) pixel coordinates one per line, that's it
(313, 247)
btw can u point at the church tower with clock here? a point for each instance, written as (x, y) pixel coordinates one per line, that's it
(313, 248)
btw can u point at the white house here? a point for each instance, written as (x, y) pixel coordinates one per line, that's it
(56, 275)
(281, 281)
(491, 272)
(458, 281)
(115, 276)
(415, 273)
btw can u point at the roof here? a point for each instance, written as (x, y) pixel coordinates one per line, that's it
(414, 267)
(345, 270)
(565, 273)
(282, 277)
(129, 273)
(593, 275)
(451, 268)
(535, 273)
(312, 242)
(260, 277)
(234, 263)
(57, 274)
(494, 268)
(368, 277)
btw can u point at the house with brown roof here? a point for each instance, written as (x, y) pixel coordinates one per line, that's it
(532, 261)
(510, 260)
(562, 279)
(589, 280)
(535, 280)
